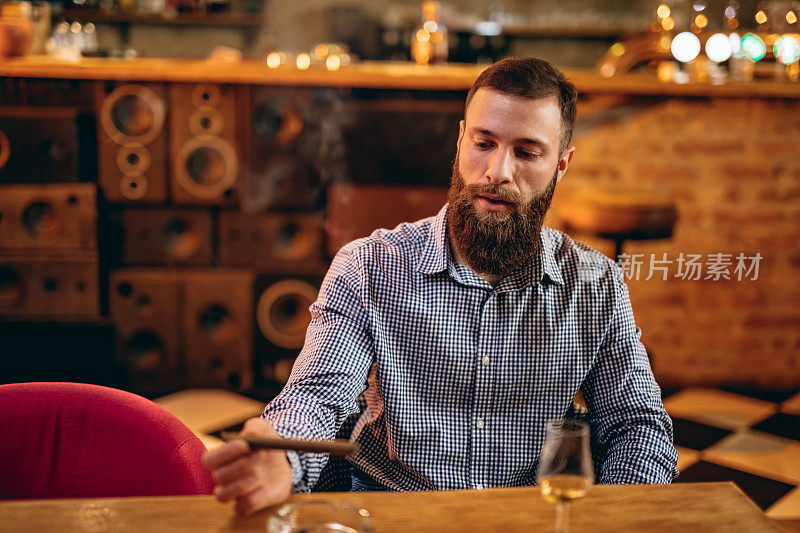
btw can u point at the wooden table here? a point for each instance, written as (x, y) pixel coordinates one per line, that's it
(684, 507)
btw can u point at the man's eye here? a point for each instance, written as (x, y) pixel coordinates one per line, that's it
(524, 154)
(483, 145)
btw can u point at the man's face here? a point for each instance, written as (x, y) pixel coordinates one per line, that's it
(512, 143)
(506, 169)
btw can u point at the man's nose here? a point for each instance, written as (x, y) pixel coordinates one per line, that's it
(500, 166)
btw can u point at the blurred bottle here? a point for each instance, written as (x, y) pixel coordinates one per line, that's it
(429, 41)
(16, 29)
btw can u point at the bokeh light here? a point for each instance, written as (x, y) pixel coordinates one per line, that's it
(701, 21)
(754, 47)
(735, 42)
(303, 61)
(333, 62)
(786, 50)
(321, 51)
(617, 49)
(273, 60)
(718, 48)
(685, 47)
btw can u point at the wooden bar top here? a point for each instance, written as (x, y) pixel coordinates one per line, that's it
(682, 507)
(382, 75)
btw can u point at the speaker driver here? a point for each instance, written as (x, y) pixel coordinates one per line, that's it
(12, 289)
(206, 95)
(181, 240)
(282, 313)
(42, 220)
(133, 185)
(5, 149)
(133, 157)
(132, 113)
(215, 322)
(206, 166)
(144, 352)
(206, 121)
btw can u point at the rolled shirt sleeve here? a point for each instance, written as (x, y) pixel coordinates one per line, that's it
(631, 431)
(330, 372)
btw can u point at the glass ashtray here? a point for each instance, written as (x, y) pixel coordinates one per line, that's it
(319, 516)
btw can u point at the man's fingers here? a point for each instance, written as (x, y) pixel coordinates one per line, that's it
(242, 467)
(258, 499)
(240, 487)
(225, 454)
(249, 503)
(257, 427)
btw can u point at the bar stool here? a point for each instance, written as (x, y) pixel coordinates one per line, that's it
(618, 214)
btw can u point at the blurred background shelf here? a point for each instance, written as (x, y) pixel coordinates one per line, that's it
(180, 19)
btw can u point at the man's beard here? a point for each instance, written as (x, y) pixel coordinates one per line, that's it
(495, 243)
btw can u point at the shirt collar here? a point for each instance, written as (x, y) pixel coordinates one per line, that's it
(436, 255)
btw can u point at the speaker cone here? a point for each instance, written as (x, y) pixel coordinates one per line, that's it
(282, 312)
(12, 288)
(207, 166)
(181, 240)
(133, 185)
(144, 352)
(5, 149)
(132, 113)
(41, 220)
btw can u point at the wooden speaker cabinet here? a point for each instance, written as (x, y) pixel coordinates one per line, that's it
(144, 306)
(275, 242)
(48, 218)
(132, 141)
(38, 144)
(356, 211)
(203, 137)
(62, 287)
(47, 92)
(289, 148)
(217, 328)
(400, 139)
(282, 317)
(170, 237)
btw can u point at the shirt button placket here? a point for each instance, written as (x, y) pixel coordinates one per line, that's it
(483, 391)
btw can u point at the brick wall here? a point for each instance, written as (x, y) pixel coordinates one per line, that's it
(732, 168)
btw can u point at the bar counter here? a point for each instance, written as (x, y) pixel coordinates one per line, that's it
(379, 75)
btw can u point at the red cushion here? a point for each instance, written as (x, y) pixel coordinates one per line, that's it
(73, 440)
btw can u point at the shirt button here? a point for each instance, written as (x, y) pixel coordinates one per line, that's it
(479, 423)
(485, 360)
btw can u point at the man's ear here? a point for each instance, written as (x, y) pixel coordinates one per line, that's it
(460, 132)
(564, 161)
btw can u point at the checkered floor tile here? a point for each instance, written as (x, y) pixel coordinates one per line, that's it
(749, 437)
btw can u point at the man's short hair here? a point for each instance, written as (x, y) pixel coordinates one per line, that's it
(532, 78)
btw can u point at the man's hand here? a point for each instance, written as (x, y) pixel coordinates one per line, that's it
(254, 479)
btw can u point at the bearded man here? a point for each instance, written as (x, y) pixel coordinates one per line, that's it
(466, 332)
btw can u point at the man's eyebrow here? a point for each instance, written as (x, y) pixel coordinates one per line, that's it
(521, 140)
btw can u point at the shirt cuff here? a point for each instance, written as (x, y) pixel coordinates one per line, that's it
(297, 472)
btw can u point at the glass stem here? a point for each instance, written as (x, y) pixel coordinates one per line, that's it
(562, 517)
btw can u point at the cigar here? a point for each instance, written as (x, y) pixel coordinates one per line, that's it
(333, 447)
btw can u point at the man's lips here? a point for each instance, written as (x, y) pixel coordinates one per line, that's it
(496, 198)
(491, 202)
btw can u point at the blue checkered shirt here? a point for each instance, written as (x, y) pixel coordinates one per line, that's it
(460, 377)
